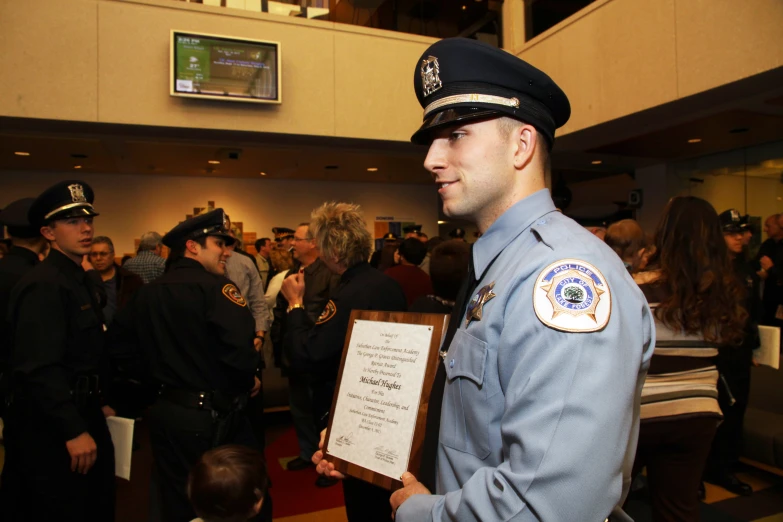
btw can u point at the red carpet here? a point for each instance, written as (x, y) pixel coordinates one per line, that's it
(294, 492)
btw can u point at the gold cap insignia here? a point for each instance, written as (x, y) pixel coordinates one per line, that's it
(430, 79)
(77, 193)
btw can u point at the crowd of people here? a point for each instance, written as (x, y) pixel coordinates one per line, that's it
(571, 362)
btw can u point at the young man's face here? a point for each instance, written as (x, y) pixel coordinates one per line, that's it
(213, 254)
(472, 164)
(101, 257)
(733, 241)
(266, 248)
(72, 236)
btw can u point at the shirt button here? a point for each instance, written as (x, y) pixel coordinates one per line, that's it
(542, 221)
(451, 363)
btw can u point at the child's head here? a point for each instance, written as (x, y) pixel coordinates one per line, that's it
(228, 484)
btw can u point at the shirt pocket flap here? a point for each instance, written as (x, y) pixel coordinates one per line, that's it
(466, 357)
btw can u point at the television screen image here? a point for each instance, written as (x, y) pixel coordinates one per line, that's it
(218, 67)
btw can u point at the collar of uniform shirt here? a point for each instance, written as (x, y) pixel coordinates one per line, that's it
(507, 227)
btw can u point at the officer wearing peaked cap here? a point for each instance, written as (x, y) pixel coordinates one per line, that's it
(55, 428)
(734, 363)
(196, 334)
(550, 337)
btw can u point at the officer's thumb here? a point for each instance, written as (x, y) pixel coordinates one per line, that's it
(408, 479)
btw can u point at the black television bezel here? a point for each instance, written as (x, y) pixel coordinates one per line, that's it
(230, 39)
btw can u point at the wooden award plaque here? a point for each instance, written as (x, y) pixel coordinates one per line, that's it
(368, 411)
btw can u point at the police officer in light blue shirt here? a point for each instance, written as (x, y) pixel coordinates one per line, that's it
(542, 372)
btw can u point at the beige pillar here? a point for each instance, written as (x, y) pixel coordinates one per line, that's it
(514, 25)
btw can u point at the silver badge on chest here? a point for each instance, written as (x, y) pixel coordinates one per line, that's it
(430, 79)
(77, 193)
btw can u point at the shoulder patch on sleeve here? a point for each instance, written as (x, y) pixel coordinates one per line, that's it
(329, 311)
(572, 296)
(234, 295)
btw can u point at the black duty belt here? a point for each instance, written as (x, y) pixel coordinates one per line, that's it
(212, 401)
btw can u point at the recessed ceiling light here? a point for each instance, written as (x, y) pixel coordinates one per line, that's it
(20, 153)
(464, 7)
(596, 162)
(442, 222)
(213, 162)
(262, 173)
(372, 169)
(77, 166)
(694, 140)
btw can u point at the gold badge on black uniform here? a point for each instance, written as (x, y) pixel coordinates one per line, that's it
(329, 310)
(234, 295)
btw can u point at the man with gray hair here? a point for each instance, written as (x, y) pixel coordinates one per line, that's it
(148, 263)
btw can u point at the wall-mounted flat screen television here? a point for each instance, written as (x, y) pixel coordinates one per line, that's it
(222, 68)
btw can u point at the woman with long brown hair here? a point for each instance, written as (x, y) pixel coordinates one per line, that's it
(697, 303)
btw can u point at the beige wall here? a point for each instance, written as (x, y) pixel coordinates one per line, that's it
(132, 205)
(108, 61)
(617, 57)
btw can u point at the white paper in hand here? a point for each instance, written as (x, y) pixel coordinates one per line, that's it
(121, 430)
(768, 353)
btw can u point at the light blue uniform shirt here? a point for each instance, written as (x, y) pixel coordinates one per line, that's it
(538, 423)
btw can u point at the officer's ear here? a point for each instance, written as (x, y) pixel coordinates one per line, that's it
(47, 231)
(193, 247)
(525, 138)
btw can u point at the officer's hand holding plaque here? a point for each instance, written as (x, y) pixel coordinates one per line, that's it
(376, 427)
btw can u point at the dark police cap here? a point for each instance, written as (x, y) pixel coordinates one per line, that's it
(459, 80)
(730, 221)
(457, 233)
(67, 199)
(213, 223)
(16, 217)
(282, 233)
(389, 237)
(412, 228)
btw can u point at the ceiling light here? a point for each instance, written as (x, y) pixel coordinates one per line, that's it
(442, 222)
(262, 173)
(22, 153)
(213, 162)
(77, 166)
(596, 162)
(464, 7)
(694, 140)
(372, 169)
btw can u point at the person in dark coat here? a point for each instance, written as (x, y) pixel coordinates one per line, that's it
(315, 347)
(55, 425)
(194, 337)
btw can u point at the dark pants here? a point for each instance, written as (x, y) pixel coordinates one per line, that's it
(179, 436)
(255, 414)
(365, 502)
(38, 483)
(727, 445)
(674, 453)
(300, 399)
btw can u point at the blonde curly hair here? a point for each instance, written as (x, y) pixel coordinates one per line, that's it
(341, 233)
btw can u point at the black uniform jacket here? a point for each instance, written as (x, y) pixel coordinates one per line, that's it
(316, 346)
(13, 266)
(192, 330)
(58, 335)
(320, 282)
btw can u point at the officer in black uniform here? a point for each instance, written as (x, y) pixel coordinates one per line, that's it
(55, 427)
(734, 363)
(26, 244)
(316, 347)
(194, 333)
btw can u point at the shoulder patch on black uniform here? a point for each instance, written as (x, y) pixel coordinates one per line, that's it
(573, 296)
(329, 310)
(234, 295)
